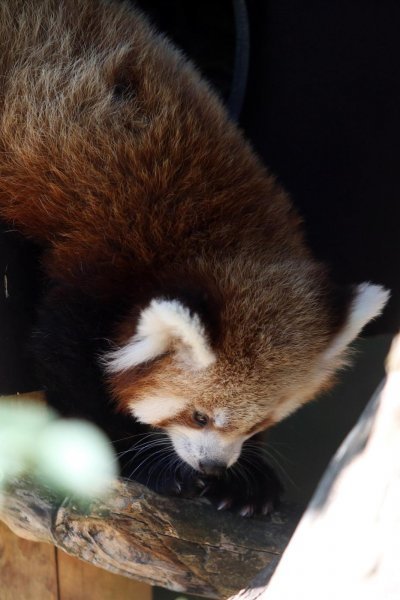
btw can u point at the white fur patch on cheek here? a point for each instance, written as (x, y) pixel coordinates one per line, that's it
(221, 418)
(152, 409)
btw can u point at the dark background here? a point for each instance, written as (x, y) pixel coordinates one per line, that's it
(323, 111)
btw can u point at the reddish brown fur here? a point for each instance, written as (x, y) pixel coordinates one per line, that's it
(153, 189)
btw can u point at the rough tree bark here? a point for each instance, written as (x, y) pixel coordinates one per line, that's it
(183, 545)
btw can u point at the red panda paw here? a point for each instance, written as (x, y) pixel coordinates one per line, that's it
(254, 491)
(182, 481)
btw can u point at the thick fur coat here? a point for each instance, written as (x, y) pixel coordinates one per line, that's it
(178, 283)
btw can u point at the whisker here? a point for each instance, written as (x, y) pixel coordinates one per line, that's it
(150, 458)
(138, 449)
(168, 467)
(144, 434)
(268, 447)
(271, 458)
(266, 451)
(242, 473)
(165, 459)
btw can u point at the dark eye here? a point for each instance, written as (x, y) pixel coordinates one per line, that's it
(200, 419)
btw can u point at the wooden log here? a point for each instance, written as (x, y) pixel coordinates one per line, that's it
(347, 544)
(26, 572)
(184, 545)
(38, 571)
(79, 580)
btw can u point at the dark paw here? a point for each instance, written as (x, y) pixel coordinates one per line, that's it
(165, 475)
(184, 482)
(250, 487)
(254, 491)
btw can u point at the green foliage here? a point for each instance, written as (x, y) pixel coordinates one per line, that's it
(71, 456)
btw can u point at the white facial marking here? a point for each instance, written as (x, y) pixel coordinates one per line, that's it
(368, 303)
(196, 445)
(220, 418)
(153, 409)
(161, 324)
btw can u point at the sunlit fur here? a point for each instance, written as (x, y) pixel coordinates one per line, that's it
(160, 324)
(120, 161)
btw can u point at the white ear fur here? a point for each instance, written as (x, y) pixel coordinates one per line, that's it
(368, 303)
(160, 324)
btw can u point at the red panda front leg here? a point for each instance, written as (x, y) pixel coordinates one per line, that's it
(250, 487)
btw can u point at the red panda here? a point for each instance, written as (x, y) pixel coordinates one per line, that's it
(178, 282)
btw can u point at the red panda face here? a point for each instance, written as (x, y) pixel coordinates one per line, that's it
(271, 358)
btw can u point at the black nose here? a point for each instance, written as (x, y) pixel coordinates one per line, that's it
(211, 467)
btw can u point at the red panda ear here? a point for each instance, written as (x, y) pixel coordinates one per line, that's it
(368, 303)
(164, 325)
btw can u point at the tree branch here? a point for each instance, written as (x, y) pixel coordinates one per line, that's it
(184, 545)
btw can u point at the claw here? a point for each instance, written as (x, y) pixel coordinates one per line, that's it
(224, 504)
(267, 508)
(204, 490)
(247, 511)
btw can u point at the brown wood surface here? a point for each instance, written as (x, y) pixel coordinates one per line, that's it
(79, 580)
(38, 571)
(183, 545)
(27, 569)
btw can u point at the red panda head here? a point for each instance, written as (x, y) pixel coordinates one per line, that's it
(277, 346)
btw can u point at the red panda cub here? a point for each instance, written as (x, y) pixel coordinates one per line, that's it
(181, 310)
